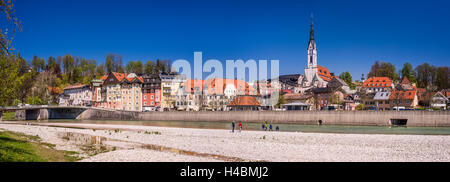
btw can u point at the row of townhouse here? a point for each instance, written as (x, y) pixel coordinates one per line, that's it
(212, 94)
(149, 92)
(387, 96)
(403, 96)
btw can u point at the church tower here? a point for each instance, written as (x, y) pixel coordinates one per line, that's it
(312, 50)
(312, 76)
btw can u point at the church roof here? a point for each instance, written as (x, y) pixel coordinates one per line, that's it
(324, 73)
(311, 36)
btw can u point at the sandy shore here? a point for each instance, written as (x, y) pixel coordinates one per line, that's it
(148, 143)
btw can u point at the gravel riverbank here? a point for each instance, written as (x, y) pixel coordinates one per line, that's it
(149, 143)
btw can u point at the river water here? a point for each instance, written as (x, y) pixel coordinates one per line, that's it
(283, 127)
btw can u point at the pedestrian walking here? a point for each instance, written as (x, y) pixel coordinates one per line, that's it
(232, 127)
(240, 126)
(277, 128)
(262, 127)
(270, 127)
(265, 126)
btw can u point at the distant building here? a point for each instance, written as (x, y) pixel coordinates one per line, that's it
(378, 84)
(169, 87)
(403, 99)
(382, 101)
(113, 93)
(315, 75)
(290, 82)
(131, 88)
(151, 92)
(367, 100)
(266, 94)
(439, 101)
(293, 106)
(305, 98)
(349, 103)
(96, 86)
(190, 96)
(76, 95)
(244, 103)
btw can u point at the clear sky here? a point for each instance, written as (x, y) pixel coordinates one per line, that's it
(350, 35)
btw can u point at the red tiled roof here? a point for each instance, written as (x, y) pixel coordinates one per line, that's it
(244, 101)
(75, 86)
(405, 81)
(140, 79)
(193, 84)
(104, 77)
(324, 73)
(119, 76)
(241, 86)
(402, 95)
(296, 96)
(377, 82)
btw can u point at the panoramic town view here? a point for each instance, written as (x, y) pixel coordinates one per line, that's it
(162, 81)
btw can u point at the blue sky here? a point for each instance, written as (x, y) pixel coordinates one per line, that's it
(350, 35)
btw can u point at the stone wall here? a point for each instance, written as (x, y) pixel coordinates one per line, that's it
(374, 118)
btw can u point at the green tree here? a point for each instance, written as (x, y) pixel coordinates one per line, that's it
(10, 80)
(11, 23)
(114, 63)
(77, 75)
(409, 72)
(442, 77)
(383, 69)
(100, 70)
(51, 64)
(149, 67)
(35, 100)
(426, 75)
(347, 79)
(68, 64)
(38, 63)
(134, 67)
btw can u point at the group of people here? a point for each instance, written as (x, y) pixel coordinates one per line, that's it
(266, 126)
(233, 124)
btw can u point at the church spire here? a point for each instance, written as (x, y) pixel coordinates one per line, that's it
(311, 36)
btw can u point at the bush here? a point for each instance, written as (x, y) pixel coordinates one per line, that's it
(16, 102)
(360, 107)
(35, 101)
